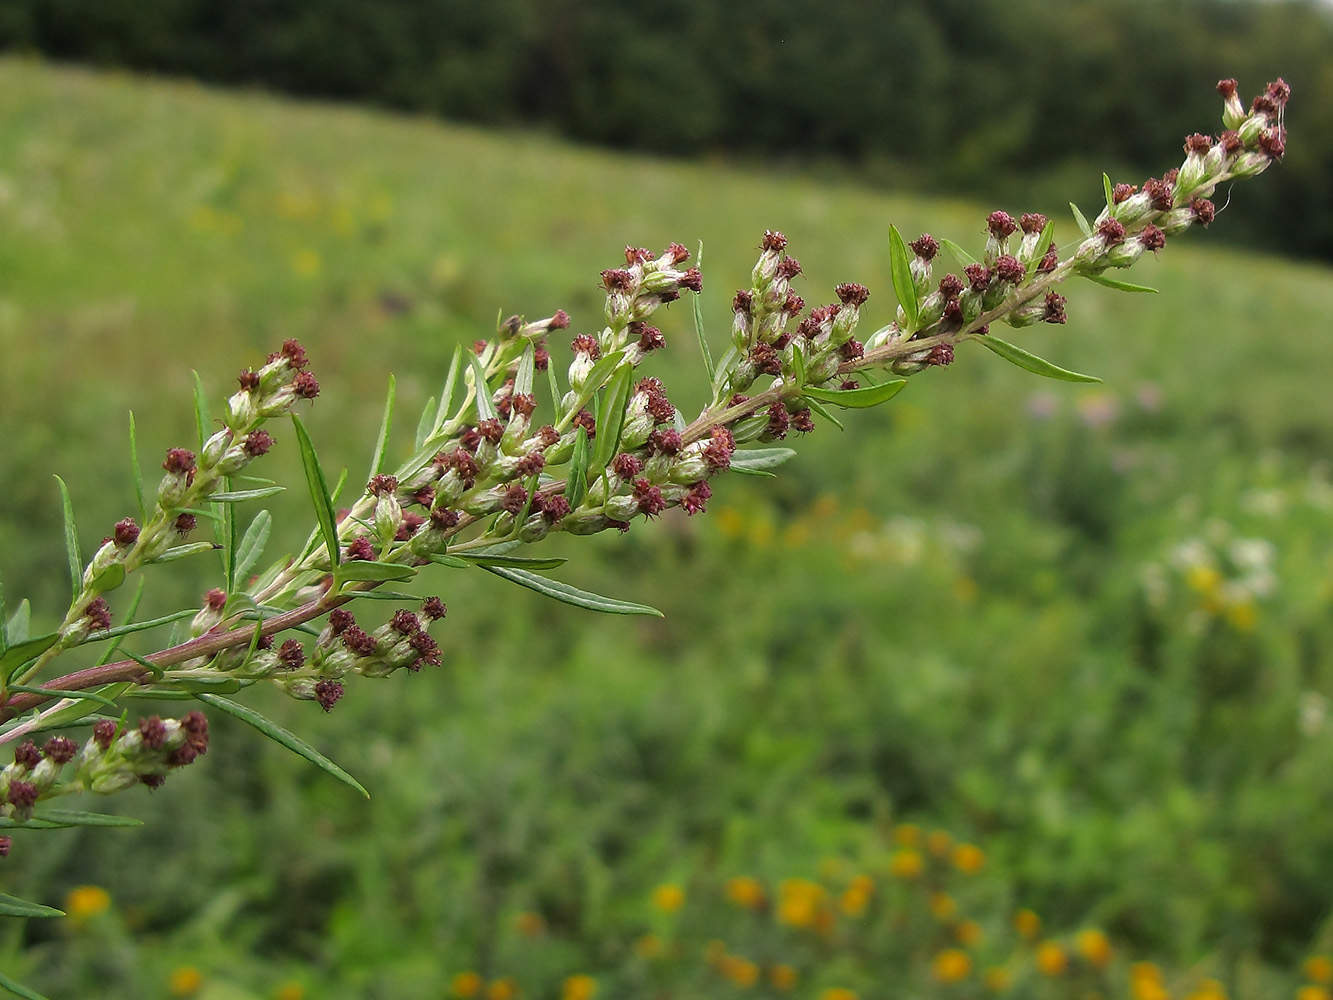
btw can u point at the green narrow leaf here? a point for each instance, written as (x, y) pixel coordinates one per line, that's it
(227, 544)
(576, 486)
(1122, 286)
(824, 412)
(453, 562)
(319, 491)
(1110, 191)
(386, 425)
(4, 642)
(699, 321)
(236, 496)
(251, 546)
(182, 551)
(16, 629)
(71, 538)
(900, 263)
(566, 594)
(597, 378)
(132, 627)
(378, 594)
(200, 409)
(19, 990)
(553, 386)
(957, 252)
(759, 459)
(425, 424)
(1030, 362)
(24, 651)
(447, 393)
(1080, 221)
(515, 562)
(858, 399)
(128, 624)
(138, 473)
(364, 569)
(798, 363)
(482, 394)
(612, 420)
(279, 735)
(147, 664)
(527, 370)
(57, 693)
(12, 906)
(80, 817)
(724, 368)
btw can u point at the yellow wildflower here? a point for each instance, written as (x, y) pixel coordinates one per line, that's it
(466, 985)
(1027, 923)
(86, 901)
(745, 891)
(1095, 947)
(800, 903)
(838, 993)
(1051, 959)
(503, 988)
(854, 901)
(1312, 992)
(741, 971)
(938, 843)
(951, 966)
(907, 863)
(997, 979)
(578, 987)
(1208, 989)
(968, 858)
(1318, 968)
(783, 977)
(668, 897)
(942, 905)
(290, 990)
(907, 834)
(968, 933)
(185, 981)
(1145, 982)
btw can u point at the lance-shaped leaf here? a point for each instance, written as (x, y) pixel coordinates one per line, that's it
(900, 264)
(425, 424)
(1120, 286)
(1030, 362)
(959, 253)
(1110, 192)
(319, 491)
(18, 989)
(597, 377)
(576, 486)
(16, 629)
(823, 411)
(138, 473)
(1080, 221)
(447, 393)
(80, 817)
(759, 460)
(699, 320)
(181, 551)
(566, 594)
(57, 693)
(280, 735)
(378, 572)
(236, 496)
(482, 391)
(12, 906)
(201, 420)
(4, 640)
(453, 562)
(71, 538)
(858, 399)
(19, 654)
(526, 371)
(386, 426)
(515, 562)
(251, 546)
(612, 419)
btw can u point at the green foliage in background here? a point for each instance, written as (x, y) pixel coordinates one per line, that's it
(1016, 98)
(1087, 628)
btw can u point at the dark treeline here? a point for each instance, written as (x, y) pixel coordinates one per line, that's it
(1017, 99)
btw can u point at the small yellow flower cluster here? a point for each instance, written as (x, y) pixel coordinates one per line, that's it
(471, 986)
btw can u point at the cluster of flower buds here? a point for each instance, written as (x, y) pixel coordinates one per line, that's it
(110, 761)
(271, 391)
(345, 648)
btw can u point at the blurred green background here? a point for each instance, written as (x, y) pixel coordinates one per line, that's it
(1085, 628)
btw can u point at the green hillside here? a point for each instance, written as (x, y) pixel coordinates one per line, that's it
(1089, 629)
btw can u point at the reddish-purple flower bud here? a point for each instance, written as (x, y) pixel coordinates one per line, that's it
(381, 485)
(743, 302)
(851, 350)
(523, 403)
(215, 599)
(180, 461)
(358, 640)
(541, 358)
(617, 280)
(940, 354)
(1280, 91)
(789, 267)
(479, 347)
(469, 440)
(23, 795)
(98, 614)
(491, 430)
(978, 276)
(427, 649)
(778, 421)
(195, 724)
(951, 286)
(361, 549)
(185, 523)
(587, 421)
(664, 441)
(547, 436)
(1264, 105)
(153, 781)
(721, 445)
(154, 732)
(677, 253)
(1231, 142)
(554, 508)
(773, 241)
(852, 294)
(340, 620)
(1227, 88)
(649, 497)
(693, 279)
(697, 498)
(1001, 224)
(1271, 142)
(651, 339)
(1198, 144)
(1122, 192)
(405, 622)
(1010, 269)
(327, 693)
(60, 749)
(126, 532)
(737, 400)
(660, 409)
(848, 384)
(1204, 210)
(182, 756)
(249, 380)
(443, 519)
(294, 353)
(515, 498)
(408, 526)
(291, 655)
(104, 732)
(925, 246)
(27, 754)
(766, 360)
(793, 304)
(1055, 308)
(433, 608)
(1152, 238)
(637, 255)
(305, 386)
(1112, 231)
(802, 422)
(626, 466)
(257, 443)
(1049, 262)
(1032, 223)
(530, 464)
(1159, 193)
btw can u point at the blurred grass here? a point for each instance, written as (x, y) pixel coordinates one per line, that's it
(939, 615)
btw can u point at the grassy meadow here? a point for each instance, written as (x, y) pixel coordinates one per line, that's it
(1014, 688)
